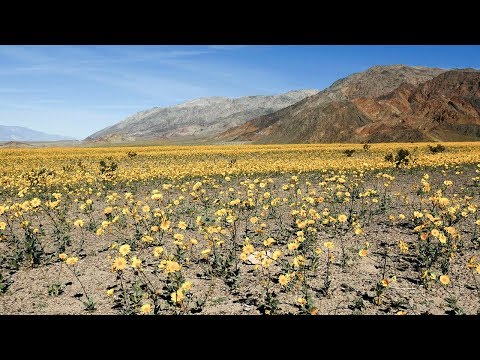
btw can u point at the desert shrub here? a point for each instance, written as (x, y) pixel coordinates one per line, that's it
(106, 168)
(436, 149)
(349, 152)
(401, 158)
(4, 283)
(389, 157)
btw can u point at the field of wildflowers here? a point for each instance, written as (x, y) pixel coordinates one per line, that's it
(264, 229)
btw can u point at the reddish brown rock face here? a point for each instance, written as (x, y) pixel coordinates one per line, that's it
(444, 107)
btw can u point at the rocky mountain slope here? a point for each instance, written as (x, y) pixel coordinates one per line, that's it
(19, 133)
(446, 107)
(330, 115)
(381, 104)
(199, 118)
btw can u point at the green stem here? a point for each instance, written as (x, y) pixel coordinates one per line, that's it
(83, 288)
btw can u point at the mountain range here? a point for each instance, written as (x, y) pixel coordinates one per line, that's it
(19, 133)
(382, 104)
(198, 119)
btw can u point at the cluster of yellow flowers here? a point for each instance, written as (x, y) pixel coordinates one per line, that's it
(285, 209)
(27, 170)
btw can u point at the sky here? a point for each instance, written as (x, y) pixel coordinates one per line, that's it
(77, 90)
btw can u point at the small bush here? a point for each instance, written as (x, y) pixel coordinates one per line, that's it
(3, 284)
(401, 158)
(349, 152)
(436, 149)
(366, 146)
(106, 168)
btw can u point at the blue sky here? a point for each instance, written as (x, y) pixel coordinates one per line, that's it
(77, 90)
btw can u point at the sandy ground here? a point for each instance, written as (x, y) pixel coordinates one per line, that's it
(351, 290)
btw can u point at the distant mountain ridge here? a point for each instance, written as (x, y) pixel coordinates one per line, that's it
(19, 133)
(384, 103)
(200, 118)
(443, 108)
(328, 116)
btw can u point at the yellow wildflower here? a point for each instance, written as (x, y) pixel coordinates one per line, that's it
(442, 238)
(172, 266)
(417, 214)
(293, 246)
(269, 241)
(147, 238)
(283, 280)
(276, 254)
(444, 279)
(187, 285)
(328, 244)
(119, 264)
(248, 249)
(136, 262)
(79, 223)
(301, 301)
(157, 251)
(71, 261)
(146, 309)
(179, 237)
(177, 296)
(124, 250)
(165, 225)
